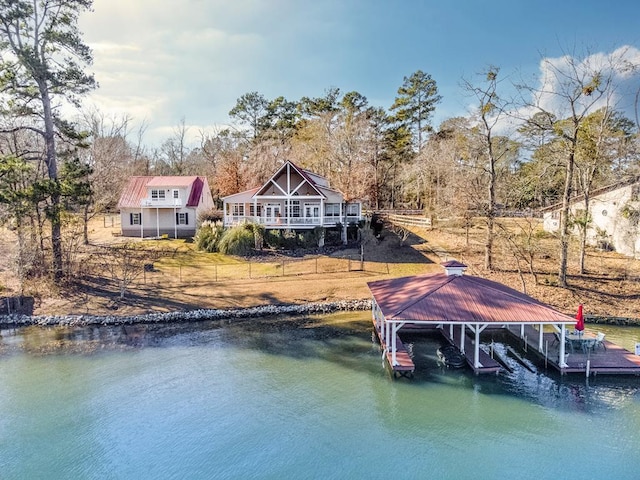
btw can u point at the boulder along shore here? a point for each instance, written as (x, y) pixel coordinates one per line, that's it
(17, 320)
(12, 321)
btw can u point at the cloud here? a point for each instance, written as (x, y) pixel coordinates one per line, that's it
(162, 60)
(560, 76)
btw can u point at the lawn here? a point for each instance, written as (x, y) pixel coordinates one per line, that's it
(184, 278)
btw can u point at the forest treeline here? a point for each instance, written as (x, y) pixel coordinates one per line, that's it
(522, 146)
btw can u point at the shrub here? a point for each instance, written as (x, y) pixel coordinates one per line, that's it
(213, 215)
(208, 236)
(274, 239)
(238, 240)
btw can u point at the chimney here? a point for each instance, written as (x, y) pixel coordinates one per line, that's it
(453, 267)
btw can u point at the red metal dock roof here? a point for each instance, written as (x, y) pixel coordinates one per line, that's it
(459, 298)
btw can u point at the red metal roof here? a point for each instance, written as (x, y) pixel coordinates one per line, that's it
(136, 189)
(196, 192)
(459, 298)
(134, 192)
(171, 181)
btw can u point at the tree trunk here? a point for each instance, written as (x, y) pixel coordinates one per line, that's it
(85, 226)
(488, 245)
(564, 219)
(52, 170)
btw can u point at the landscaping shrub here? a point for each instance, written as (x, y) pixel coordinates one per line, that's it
(208, 236)
(238, 240)
(212, 215)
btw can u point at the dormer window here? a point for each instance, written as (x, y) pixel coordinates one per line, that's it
(157, 194)
(176, 193)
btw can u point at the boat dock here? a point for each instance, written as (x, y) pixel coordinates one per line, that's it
(610, 360)
(487, 364)
(403, 365)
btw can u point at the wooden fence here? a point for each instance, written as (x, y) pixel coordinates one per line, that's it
(412, 220)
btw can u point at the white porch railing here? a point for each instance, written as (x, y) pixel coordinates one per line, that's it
(162, 203)
(284, 222)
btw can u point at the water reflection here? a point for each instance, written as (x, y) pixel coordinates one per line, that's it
(304, 397)
(342, 339)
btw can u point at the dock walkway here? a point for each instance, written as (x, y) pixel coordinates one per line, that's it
(614, 360)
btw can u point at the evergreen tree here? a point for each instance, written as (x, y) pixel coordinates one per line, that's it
(415, 104)
(42, 56)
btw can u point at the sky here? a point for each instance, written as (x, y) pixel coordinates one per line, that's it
(164, 61)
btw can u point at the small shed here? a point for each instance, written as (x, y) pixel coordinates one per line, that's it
(453, 300)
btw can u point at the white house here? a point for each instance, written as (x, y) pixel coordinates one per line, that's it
(614, 213)
(293, 198)
(155, 206)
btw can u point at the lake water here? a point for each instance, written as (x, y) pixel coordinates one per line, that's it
(299, 398)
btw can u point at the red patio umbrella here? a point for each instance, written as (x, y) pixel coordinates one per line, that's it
(580, 319)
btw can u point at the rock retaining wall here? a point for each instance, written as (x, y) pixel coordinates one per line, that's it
(17, 320)
(628, 321)
(183, 316)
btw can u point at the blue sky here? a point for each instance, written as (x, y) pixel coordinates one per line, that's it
(164, 60)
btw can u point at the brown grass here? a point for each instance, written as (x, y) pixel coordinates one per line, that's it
(184, 279)
(609, 286)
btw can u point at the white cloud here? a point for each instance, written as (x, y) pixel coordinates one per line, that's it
(557, 81)
(161, 60)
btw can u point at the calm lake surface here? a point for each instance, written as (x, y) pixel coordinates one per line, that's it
(295, 399)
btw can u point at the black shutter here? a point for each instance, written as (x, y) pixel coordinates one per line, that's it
(186, 218)
(131, 219)
(177, 218)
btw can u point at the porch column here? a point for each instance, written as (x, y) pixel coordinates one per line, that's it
(255, 211)
(157, 222)
(451, 331)
(561, 361)
(394, 346)
(541, 338)
(343, 216)
(476, 348)
(175, 223)
(387, 332)
(287, 209)
(462, 337)
(141, 223)
(522, 330)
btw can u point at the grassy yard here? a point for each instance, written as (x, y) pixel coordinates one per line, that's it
(184, 278)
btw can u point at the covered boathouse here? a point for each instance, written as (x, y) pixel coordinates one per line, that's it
(461, 307)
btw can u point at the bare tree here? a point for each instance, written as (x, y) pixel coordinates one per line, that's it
(125, 263)
(569, 89)
(489, 112)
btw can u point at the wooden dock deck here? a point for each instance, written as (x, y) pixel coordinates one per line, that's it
(404, 365)
(615, 360)
(487, 364)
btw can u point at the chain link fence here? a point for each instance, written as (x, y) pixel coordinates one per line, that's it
(203, 274)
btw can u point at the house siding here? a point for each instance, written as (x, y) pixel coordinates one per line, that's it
(159, 213)
(609, 225)
(292, 198)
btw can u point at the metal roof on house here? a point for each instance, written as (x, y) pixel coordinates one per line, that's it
(136, 189)
(134, 192)
(242, 197)
(171, 181)
(196, 191)
(442, 298)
